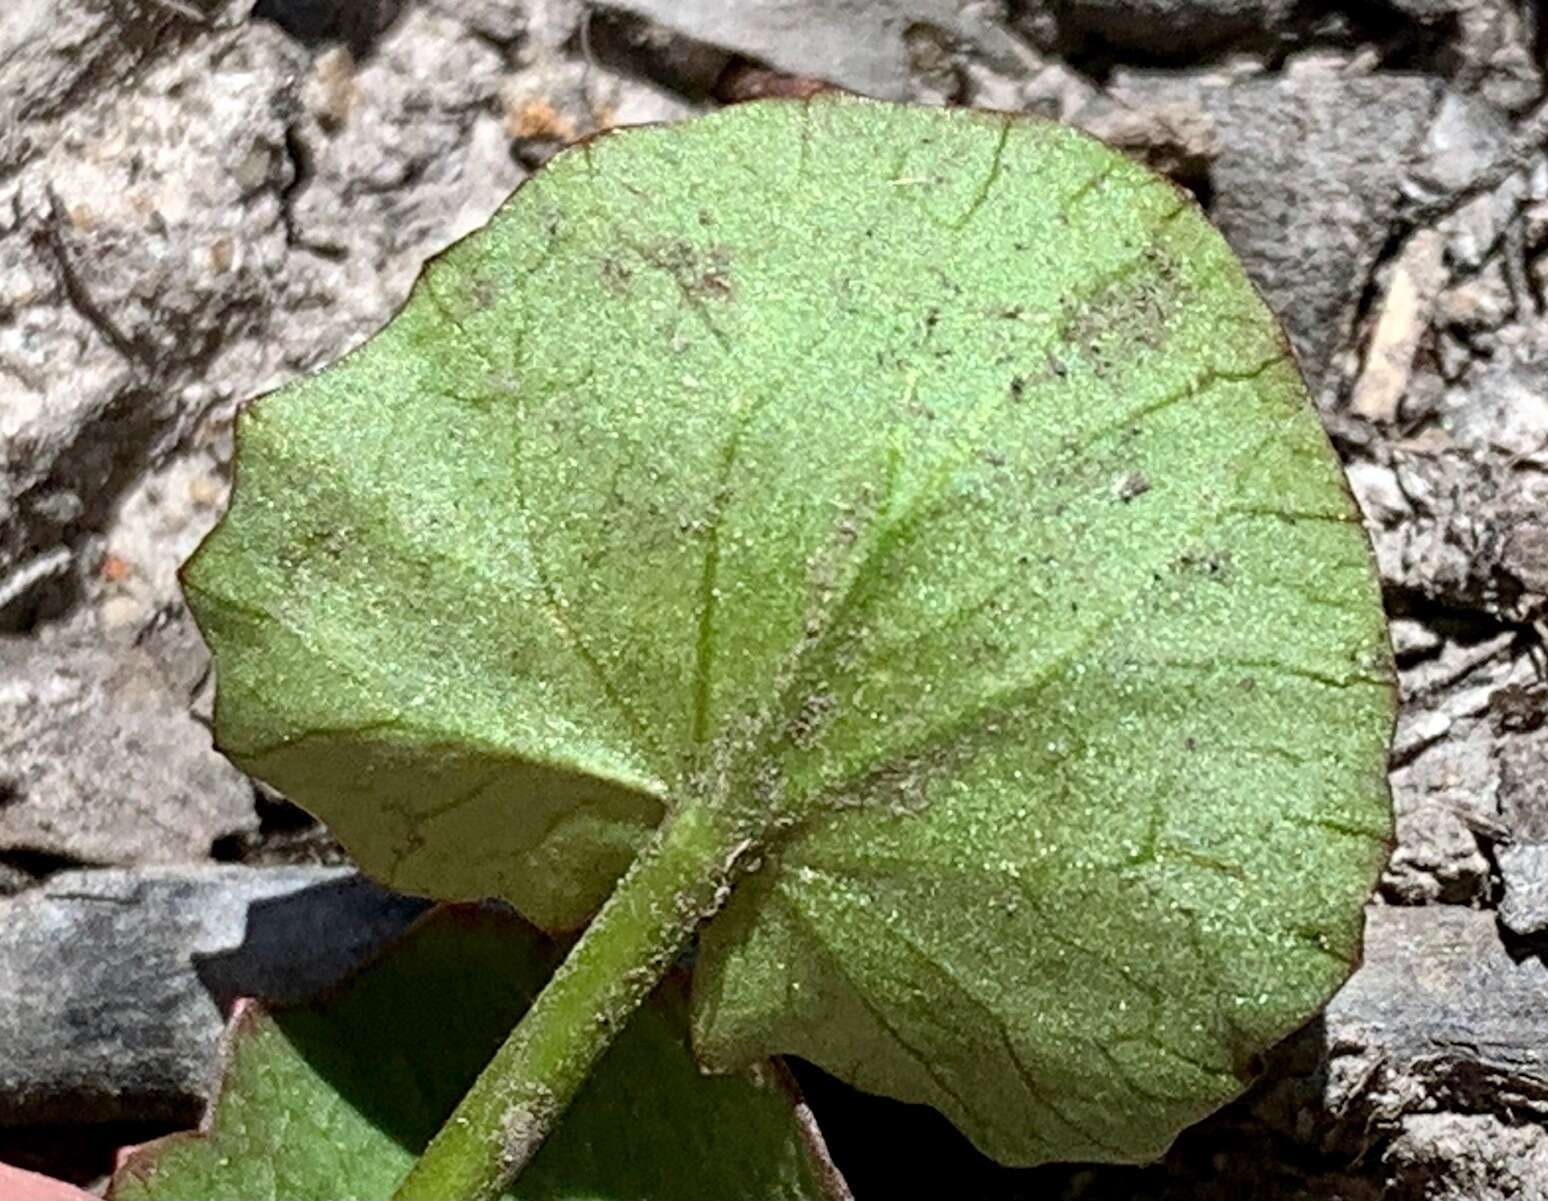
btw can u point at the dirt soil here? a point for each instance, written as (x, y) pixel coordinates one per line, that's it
(200, 199)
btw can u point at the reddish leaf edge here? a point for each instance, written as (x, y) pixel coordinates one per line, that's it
(139, 1159)
(829, 1178)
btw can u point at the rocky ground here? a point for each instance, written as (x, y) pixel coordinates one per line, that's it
(200, 199)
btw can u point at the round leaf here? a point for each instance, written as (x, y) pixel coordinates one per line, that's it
(929, 485)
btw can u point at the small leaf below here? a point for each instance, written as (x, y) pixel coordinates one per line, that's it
(337, 1099)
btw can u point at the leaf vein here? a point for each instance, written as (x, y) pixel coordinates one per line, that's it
(996, 166)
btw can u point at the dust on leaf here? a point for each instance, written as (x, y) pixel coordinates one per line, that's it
(865, 509)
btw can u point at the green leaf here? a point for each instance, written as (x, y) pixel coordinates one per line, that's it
(336, 1099)
(931, 487)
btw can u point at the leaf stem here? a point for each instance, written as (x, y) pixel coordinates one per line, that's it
(681, 877)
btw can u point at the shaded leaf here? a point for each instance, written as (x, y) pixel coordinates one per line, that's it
(931, 485)
(337, 1099)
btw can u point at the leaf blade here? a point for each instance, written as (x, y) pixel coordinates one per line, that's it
(934, 487)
